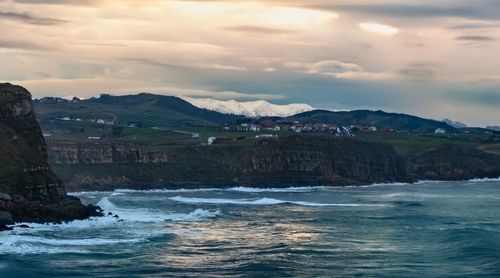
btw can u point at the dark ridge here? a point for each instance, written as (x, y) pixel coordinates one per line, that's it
(379, 119)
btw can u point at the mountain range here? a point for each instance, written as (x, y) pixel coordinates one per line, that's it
(259, 108)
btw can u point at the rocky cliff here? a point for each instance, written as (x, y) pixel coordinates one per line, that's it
(284, 162)
(295, 160)
(455, 162)
(29, 190)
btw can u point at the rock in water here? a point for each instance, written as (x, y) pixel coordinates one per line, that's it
(5, 197)
(5, 218)
(94, 210)
(30, 190)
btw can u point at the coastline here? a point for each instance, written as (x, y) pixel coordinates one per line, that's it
(290, 189)
(238, 189)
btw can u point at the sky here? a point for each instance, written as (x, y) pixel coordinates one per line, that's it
(437, 59)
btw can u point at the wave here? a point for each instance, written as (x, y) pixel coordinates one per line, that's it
(29, 244)
(386, 184)
(86, 193)
(298, 189)
(129, 215)
(303, 189)
(69, 242)
(237, 189)
(165, 190)
(195, 215)
(261, 201)
(146, 215)
(409, 196)
(131, 225)
(28, 249)
(485, 179)
(106, 204)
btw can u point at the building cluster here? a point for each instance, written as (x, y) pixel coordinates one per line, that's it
(97, 121)
(253, 127)
(297, 127)
(440, 131)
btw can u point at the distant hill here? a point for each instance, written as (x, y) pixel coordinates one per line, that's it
(141, 109)
(149, 110)
(379, 119)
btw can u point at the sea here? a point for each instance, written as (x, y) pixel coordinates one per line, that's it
(426, 229)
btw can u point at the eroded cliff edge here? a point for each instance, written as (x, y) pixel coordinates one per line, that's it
(289, 161)
(285, 162)
(29, 190)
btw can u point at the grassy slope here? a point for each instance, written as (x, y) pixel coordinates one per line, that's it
(168, 122)
(405, 143)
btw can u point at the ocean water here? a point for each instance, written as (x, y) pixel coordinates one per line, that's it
(428, 229)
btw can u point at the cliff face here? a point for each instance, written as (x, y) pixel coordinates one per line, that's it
(32, 192)
(454, 162)
(283, 162)
(322, 161)
(96, 153)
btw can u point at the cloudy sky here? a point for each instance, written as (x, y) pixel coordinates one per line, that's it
(437, 59)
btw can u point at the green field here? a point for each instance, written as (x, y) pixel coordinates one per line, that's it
(167, 137)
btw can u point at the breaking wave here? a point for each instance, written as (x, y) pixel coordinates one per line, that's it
(485, 179)
(146, 215)
(277, 190)
(261, 201)
(165, 190)
(128, 228)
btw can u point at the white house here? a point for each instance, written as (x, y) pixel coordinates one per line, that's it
(211, 140)
(254, 128)
(265, 136)
(440, 131)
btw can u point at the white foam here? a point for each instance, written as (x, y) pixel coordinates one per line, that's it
(25, 249)
(429, 181)
(409, 196)
(244, 189)
(165, 190)
(129, 215)
(35, 241)
(385, 184)
(278, 190)
(18, 243)
(106, 204)
(87, 193)
(68, 242)
(485, 180)
(146, 215)
(193, 216)
(261, 201)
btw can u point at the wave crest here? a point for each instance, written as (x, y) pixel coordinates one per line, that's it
(262, 201)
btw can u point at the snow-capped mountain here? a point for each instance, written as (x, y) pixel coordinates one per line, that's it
(260, 108)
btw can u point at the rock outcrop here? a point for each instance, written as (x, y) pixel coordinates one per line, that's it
(29, 190)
